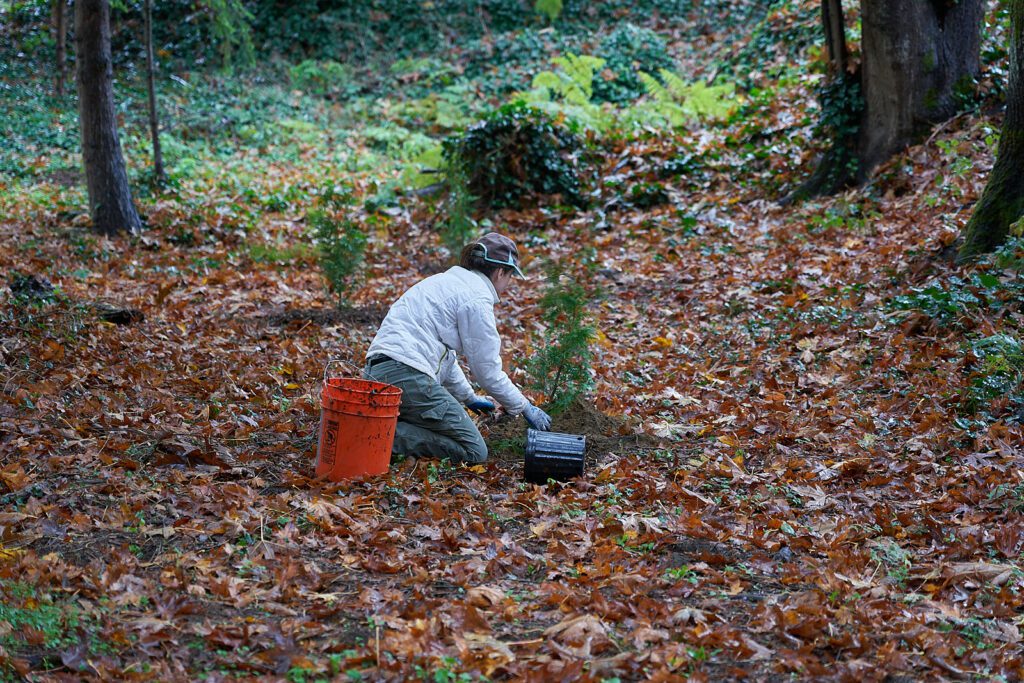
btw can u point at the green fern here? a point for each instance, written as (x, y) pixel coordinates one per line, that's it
(567, 91)
(674, 102)
(574, 82)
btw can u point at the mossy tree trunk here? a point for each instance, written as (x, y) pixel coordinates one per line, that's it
(110, 199)
(916, 57)
(1002, 202)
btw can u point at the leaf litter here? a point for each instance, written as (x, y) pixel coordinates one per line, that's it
(783, 483)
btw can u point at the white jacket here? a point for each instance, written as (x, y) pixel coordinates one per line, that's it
(444, 315)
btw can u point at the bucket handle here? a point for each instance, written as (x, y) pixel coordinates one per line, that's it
(340, 361)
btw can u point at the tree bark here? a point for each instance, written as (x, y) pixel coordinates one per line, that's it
(1002, 202)
(834, 23)
(838, 166)
(154, 121)
(60, 38)
(917, 56)
(110, 199)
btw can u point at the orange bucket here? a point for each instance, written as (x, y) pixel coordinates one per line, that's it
(357, 427)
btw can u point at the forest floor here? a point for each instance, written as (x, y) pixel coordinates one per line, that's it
(805, 434)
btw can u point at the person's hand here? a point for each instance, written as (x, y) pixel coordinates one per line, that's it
(537, 418)
(480, 404)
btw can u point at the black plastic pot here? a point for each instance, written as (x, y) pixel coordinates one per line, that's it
(551, 455)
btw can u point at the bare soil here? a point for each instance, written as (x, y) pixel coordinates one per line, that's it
(506, 435)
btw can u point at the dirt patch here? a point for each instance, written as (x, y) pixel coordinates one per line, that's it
(358, 315)
(686, 551)
(506, 435)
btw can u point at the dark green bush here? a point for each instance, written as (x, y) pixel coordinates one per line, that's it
(628, 50)
(517, 152)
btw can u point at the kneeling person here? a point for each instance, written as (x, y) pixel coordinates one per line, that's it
(416, 349)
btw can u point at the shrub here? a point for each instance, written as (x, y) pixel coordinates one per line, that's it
(560, 368)
(515, 152)
(458, 226)
(341, 243)
(327, 78)
(627, 51)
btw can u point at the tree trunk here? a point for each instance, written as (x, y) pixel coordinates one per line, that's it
(60, 38)
(834, 23)
(918, 55)
(839, 103)
(1002, 202)
(154, 121)
(110, 199)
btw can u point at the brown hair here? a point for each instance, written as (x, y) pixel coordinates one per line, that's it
(472, 258)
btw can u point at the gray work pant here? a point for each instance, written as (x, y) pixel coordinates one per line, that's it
(430, 421)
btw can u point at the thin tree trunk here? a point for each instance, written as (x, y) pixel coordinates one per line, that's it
(60, 30)
(835, 35)
(838, 166)
(1002, 202)
(154, 121)
(110, 199)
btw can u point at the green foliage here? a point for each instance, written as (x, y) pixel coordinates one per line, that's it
(447, 109)
(326, 78)
(458, 227)
(783, 32)
(629, 50)
(230, 23)
(944, 303)
(567, 91)
(573, 82)
(842, 105)
(341, 243)
(674, 103)
(560, 368)
(59, 624)
(951, 301)
(999, 373)
(551, 9)
(515, 152)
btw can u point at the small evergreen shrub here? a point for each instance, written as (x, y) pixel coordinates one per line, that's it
(458, 227)
(341, 242)
(560, 368)
(515, 152)
(627, 51)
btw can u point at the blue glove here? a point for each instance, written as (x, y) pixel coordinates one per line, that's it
(480, 404)
(537, 418)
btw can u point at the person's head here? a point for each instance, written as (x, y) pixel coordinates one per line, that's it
(495, 256)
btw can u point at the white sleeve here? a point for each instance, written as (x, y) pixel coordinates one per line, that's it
(482, 347)
(453, 379)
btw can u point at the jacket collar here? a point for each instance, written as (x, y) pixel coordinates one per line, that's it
(486, 280)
